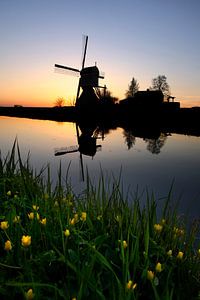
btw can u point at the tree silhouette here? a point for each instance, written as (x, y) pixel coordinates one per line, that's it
(132, 88)
(105, 95)
(160, 83)
(60, 101)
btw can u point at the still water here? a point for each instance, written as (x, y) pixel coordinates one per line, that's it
(142, 162)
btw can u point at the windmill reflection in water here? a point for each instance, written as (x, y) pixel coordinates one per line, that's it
(86, 144)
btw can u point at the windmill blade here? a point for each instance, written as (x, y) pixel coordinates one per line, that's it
(81, 168)
(101, 75)
(65, 150)
(85, 42)
(66, 68)
(66, 72)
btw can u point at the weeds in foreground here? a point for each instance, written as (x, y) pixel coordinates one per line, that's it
(56, 245)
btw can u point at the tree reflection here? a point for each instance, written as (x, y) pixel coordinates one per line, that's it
(155, 145)
(129, 138)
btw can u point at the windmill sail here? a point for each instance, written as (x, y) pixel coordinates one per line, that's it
(65, 150)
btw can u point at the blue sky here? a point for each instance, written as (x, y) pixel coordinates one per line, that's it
(141, 39)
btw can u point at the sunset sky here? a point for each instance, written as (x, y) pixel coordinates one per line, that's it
(127, 38)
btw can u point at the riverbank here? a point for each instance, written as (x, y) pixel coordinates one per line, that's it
(182, 121)
(58, 245)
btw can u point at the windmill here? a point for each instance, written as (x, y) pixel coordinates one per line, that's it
(88, 79)
(86, 145)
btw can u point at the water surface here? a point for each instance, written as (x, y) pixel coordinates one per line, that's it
(142, 162)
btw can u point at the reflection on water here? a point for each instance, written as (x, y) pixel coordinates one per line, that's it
(147, 158)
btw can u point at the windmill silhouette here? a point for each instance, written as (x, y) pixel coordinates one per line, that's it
(88, 80)
(86, 145)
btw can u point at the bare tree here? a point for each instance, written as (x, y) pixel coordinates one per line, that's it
(132, 88)
(160, 83)
(60, 101)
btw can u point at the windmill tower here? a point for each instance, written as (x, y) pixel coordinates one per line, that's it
(88, 80)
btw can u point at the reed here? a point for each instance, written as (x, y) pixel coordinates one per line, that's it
(57, 245)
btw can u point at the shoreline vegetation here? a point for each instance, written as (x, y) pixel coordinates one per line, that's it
(58, 245)
(180, 121)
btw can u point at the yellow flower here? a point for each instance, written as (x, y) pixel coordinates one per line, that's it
(76, 217)
(158, 228)
(150, 275)
(72, 221)
(158, 267)
(125, 245)
(9, 193)
(56, 204)
(169, 253)
(67, 232)
(32, 215)
(4, 225)
(29, 294)
(16, 219)
(99, 217)
(198, 251)
(74, 298)
(43, 221)
(26, 240)
(134, 286)
(129, 284)
(8, 245)
(35, 207)
(83, 216)
(180, 255)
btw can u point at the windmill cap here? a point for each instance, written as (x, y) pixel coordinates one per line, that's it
(90, 70)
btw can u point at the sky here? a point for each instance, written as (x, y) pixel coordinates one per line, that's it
(127, 38)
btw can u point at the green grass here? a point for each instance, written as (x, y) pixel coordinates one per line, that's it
(92, 246)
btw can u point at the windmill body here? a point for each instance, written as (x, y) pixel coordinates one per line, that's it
(89, 79)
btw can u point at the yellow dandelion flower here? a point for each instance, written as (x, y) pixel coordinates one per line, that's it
(150, 275)
(43, 221)
(158, 228)
(8, 245)
(74, 298)
(129, 284)
(35, 207)
(29, 294)
(9, 193)
(180, 255)
(26, 240)
(67, 232)
(83, 216)
(16, 219)
(125, 245)
(169, 253)
(4, 225)
(158, 267)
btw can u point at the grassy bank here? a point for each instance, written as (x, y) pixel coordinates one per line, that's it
(56, 245)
